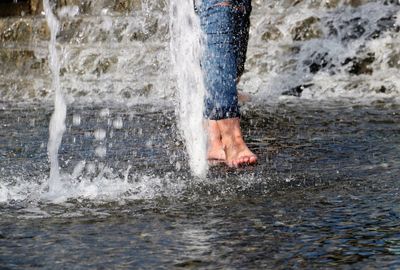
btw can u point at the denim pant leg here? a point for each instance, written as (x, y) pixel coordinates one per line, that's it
(225, 24)
(242, 17)
(219, 60)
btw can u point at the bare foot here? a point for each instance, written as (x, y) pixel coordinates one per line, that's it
(215, 151)
(236, 151)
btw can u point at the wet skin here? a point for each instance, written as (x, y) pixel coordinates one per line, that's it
(226, 143)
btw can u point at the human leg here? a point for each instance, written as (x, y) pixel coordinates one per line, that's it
(241, 41)
(241, 38)
(219, 64)
(223, 61)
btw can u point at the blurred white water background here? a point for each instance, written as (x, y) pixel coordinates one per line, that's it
(119, 51)
(133, 189)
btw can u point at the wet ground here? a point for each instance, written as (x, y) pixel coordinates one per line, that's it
(325, 194)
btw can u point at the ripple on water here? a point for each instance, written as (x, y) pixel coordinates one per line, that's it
(324, 194)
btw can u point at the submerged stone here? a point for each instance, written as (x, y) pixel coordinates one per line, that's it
(360, 65)
(332, 3)
(146, 90)
(394, 60)
(20, 61)
(306, 29)
(42, 31)
(297, 90)
(93, 7)
(72, 31)
(318, 61)
(291, 3)
(354, 28)
(271, 33)
(16, 30)
(126, 6)
(356, 3)
(385, 24)
(145, 33)
(36, 6)
(105, 65)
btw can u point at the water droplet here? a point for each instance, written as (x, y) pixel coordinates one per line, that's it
(91, 168)
(100, 134)
(178, 166)
(149, 143)
(76, 120)
(101, 151)
(104, 112)
(118, 124)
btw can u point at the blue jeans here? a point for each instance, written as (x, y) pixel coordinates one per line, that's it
(225, 24)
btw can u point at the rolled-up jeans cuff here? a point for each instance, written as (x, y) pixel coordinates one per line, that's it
(222, 113)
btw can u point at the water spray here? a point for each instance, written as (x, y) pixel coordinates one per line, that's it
(186, 50)
(57, 121)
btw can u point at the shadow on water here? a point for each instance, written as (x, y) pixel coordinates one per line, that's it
(325, 193)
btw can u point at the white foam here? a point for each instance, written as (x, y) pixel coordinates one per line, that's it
(107, 23)
(139, 72)
(106, 186)
(3, 194)
(101, 151)
(280, 65)
(68, 11)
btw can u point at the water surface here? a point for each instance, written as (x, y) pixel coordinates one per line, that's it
(325, 193)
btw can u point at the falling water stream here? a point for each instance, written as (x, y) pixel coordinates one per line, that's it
(129, 187)
(57, 122)
(186, 50)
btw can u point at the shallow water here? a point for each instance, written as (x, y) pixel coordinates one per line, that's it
(325, 193)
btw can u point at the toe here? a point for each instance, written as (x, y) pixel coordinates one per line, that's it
(244, 160)
(238, 162)
(247, 160)
(252, 159)
(232, 163)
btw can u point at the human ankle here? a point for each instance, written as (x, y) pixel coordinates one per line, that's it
(230, 140)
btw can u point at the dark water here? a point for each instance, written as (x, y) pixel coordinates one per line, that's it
(325, 193)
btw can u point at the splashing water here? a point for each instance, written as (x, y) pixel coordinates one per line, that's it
(327, 182)
(186, 50)
(57, 122)
(324, 49)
